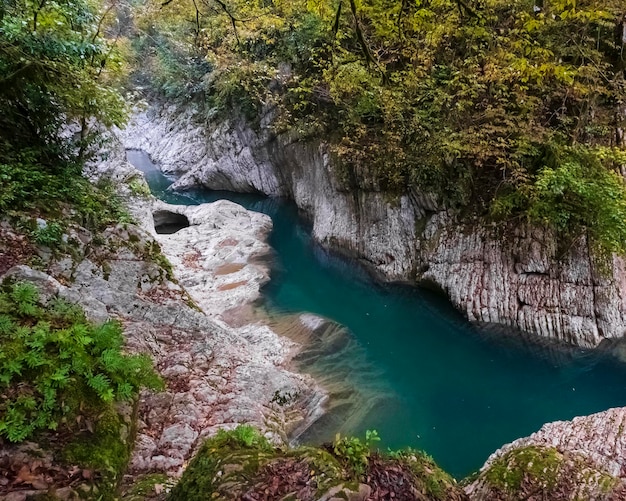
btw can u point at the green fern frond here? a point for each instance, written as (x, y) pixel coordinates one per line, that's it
(57, 364)
(6, 325)
(25, 297)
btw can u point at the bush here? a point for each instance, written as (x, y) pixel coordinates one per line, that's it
(55, 365)
(574, 193)
(354, 452)
(30, 186)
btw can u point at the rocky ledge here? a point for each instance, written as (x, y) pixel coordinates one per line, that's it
(217, 375)
(516, 277)
(566, 460)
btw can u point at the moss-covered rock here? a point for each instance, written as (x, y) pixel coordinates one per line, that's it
(242, 465)
(86, 464)
(537, 472)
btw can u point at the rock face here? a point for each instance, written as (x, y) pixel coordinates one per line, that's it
(523, 281)
(580, 459)
(217, 376)
(219, 259)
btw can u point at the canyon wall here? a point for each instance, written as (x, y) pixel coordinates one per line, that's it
(512, 276)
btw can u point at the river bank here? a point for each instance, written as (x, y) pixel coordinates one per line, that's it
(403, 362)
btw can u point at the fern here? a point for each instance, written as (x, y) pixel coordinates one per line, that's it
(12, 367)
(54, 364)
(25, 297)
(80, 334)
(6, 325)
(112, 360)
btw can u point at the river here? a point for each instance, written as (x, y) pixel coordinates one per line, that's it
(405, 362)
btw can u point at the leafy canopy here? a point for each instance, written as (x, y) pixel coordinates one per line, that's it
(464, 98)
(58, 84)
(57, 68)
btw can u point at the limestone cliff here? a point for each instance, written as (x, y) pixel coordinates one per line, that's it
(517, 277)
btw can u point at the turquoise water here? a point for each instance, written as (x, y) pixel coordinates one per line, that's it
(427, 378)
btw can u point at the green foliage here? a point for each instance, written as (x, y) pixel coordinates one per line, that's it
(462, 99)
(55, 365)
(139, 187)
(49, 235)
(29, 186)
(242, 436)
(576, 194)
(354, 452)
(58, 78)
(244, 447)
(57, 68)
(106, 450)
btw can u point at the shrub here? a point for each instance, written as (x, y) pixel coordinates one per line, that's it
(55, 365)
(354, 452)
(29, 186)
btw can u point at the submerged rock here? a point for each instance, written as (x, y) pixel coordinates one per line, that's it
(516, 277)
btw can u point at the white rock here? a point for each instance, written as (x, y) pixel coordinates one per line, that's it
(510, 276)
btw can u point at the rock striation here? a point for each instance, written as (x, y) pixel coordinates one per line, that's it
(565, 460)
(517, 277)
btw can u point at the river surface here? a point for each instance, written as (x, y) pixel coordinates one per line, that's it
(426, 377)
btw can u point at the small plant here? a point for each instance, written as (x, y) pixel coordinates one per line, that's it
(55, 365)
(286, 398)
(139, 187)
(49, 235)
(354, 452)
(244, 435)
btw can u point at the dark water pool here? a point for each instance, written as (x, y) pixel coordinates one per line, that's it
(428, 378)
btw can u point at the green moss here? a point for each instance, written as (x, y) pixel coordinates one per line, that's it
(226, 465)
(329, 471)
(541, 464)
(105, 451)
(607, 483)
(156, 256)
(220, 461)
(241, 461)
(432, 480)
(144, 486)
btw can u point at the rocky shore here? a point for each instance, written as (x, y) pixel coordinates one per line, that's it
(224, 371)
(176, 294)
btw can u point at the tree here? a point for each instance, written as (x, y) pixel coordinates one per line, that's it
(57, 69)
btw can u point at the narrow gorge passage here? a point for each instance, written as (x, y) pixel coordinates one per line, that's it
(454, 390)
